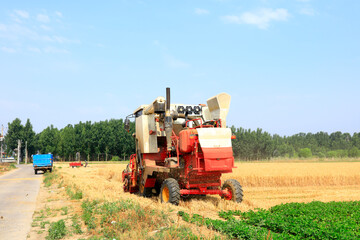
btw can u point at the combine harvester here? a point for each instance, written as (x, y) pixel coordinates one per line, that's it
(182, 150)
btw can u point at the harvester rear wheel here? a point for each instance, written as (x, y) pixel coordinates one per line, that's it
(170, 191)
(235, 190)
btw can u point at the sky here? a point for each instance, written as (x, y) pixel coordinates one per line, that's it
(290, 66)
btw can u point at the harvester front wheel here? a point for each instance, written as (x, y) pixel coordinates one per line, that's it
(170, 191)
(145, 192)
(235, 190)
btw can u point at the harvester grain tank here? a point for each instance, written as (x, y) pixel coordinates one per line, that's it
(182, 150)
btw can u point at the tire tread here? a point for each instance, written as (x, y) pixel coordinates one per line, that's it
(234, 185)
(174, 190)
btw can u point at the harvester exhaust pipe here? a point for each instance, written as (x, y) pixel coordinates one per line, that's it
(168, 121)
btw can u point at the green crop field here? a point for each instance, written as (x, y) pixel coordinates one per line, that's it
(315, 220)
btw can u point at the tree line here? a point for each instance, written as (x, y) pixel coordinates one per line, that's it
(106, 140)
(94, 141)
(258, 144)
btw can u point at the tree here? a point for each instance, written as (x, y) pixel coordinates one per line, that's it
(14, 133)
(48, 140)
(305, 153)
(354, 152)
(29, 137)
(67, 142)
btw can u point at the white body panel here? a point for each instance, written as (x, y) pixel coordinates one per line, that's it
(214, 137)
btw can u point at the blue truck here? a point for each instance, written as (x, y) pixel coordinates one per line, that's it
(43, 162)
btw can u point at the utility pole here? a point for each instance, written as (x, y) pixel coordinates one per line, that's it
(1, 140)
(26, 152)
(19, 151)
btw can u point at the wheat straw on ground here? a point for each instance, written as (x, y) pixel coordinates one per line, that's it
(264, 184)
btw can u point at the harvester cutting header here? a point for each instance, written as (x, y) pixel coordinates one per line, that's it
(182, 150)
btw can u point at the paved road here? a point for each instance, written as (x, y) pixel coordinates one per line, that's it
(18, 193)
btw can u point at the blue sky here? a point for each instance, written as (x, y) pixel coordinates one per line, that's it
(290, 66)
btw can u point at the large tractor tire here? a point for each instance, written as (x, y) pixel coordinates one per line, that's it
(235, 189)
(170, 191)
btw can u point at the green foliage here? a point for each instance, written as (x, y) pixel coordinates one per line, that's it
(57, 230)
(305, 153)
(50, 178)
(115, 158)
(48, 140)
(233, 228)
(64, 210)
(43, 224)
(12, 166)
(114, 220)
(337, 154)
(88, 210)
(354, 152)
(77, 194)
(17, 131)
(173, 232)
(76, 224)
(107, 140)
(315, 220)
(321, 155)
(257, 145)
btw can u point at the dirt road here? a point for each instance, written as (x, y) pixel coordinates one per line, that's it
(18, 193)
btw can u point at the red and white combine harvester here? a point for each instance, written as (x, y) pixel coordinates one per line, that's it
(182, 150)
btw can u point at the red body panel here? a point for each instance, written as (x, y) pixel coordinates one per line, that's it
(218, 159)
(150, 182)
(186, 140)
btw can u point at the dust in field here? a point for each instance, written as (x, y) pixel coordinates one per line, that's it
(264, 184)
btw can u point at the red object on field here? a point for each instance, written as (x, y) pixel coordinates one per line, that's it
(75, 164)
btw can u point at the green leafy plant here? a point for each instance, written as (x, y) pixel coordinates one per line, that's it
(64, 210)
(57, 230)
(76, 224)
(77, 194)
(49, 178)
(315, 220)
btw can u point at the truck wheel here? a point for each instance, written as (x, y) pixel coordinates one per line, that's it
(235, 189)
(35, 172)
(170, 191)
(50, 170)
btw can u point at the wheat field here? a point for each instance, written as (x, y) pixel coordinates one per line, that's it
(264, 184)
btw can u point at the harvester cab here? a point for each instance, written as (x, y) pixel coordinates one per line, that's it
(182, 150)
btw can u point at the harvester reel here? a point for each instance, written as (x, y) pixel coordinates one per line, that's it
(170, 191)
(235, 190)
